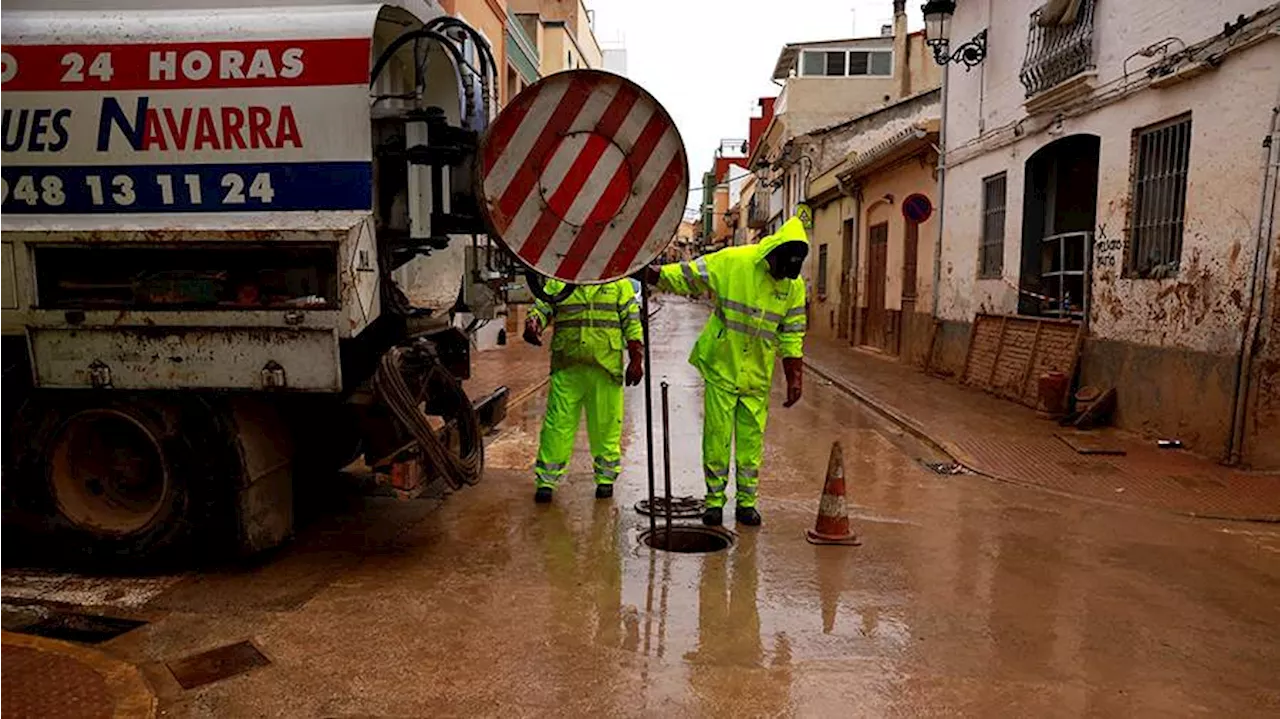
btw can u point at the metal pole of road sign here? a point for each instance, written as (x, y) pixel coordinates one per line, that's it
(666, 459)
(648, 408)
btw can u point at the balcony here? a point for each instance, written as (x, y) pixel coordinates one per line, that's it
(1057, 52)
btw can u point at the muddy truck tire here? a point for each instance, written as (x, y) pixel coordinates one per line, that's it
(148, 479)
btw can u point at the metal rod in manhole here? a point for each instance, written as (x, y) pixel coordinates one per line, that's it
(666, 461)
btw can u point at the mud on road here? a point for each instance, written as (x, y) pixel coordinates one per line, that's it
(967, 597)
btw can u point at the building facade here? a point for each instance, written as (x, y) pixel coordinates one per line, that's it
(523, 58)
(563, 32)
(874, 212)
(1114, 165)
(826, 83)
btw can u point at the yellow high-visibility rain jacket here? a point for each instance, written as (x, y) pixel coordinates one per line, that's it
(592, 325)
(756, 316)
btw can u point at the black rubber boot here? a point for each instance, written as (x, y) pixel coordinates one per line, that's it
(542, 495)
(604, 491)
(748, 516)
(713, 517)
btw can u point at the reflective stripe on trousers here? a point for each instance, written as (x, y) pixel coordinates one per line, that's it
(606, 470)
(732, 421)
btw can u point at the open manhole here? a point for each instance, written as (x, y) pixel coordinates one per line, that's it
(217, 664)
(76, 627)
(688, 539)
(681, 507)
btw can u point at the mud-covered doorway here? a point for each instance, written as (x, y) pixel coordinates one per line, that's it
(1060, 203)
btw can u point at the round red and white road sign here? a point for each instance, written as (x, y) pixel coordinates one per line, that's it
(584, 177)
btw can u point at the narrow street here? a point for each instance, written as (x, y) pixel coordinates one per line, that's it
(967, 596)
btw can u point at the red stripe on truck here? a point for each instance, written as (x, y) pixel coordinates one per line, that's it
(185, 66)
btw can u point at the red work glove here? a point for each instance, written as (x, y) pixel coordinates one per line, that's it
(793, 367)
(635, 363)
(532, 333)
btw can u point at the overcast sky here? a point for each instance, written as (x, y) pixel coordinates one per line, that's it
(707, 61)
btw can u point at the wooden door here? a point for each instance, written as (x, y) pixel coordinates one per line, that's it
(848, 283)
(874, 334)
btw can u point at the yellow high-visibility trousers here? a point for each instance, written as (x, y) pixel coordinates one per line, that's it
(573, 389)
(736, 421)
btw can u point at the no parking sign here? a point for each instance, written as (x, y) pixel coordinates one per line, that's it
(917, 208)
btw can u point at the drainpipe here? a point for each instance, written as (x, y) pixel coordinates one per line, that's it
(942, 194)
(1257, 287)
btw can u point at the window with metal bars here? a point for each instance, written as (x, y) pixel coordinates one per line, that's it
(822, 271)
(991, 247)
(1161, 154)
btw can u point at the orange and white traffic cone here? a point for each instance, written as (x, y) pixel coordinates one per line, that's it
(832, 526)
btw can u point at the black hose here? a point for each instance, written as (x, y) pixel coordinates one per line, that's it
(486, 53)
(404, 39)
(456, 469)
(538, 288)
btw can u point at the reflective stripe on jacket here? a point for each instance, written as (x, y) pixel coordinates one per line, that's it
(756, 317)
(592, 325)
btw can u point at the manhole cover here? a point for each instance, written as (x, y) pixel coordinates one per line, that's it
(82, 628)
(681, 507)
(217, 664)
(687, 539)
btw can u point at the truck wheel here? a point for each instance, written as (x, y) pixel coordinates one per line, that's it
(123, 478)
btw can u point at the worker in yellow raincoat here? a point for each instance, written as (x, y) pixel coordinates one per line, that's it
(592, 327)
(759, 314)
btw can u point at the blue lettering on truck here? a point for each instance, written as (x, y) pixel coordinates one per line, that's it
(289, 131)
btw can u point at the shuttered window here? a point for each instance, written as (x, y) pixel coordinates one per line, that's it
(822, 270)
(991, 249)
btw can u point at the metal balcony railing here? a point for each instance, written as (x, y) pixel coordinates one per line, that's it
(1057, 52)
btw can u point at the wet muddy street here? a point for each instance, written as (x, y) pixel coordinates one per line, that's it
(966, 597)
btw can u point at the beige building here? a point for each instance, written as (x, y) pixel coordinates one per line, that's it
(826, 83)
(870, 267)
(681, 248)
(563, 32)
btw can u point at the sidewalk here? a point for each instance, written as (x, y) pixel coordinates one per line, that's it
(1007, 441)
(522, 367)
(47, 679)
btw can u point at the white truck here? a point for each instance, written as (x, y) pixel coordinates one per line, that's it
(237, 243)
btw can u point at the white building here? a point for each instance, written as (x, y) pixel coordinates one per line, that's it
(1111, 167)
(615, 58)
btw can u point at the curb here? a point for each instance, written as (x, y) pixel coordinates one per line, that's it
(897, 417)
(968, 464)
(131, 693)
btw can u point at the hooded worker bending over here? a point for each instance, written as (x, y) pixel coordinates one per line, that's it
(591, 327)
(759, 313)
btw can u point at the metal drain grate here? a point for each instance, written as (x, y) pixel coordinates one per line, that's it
(75, 627)
(681, 507)
(217, 664)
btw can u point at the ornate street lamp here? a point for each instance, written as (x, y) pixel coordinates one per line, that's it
(937, 33)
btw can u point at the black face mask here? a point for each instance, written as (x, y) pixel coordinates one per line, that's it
(785, 262)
